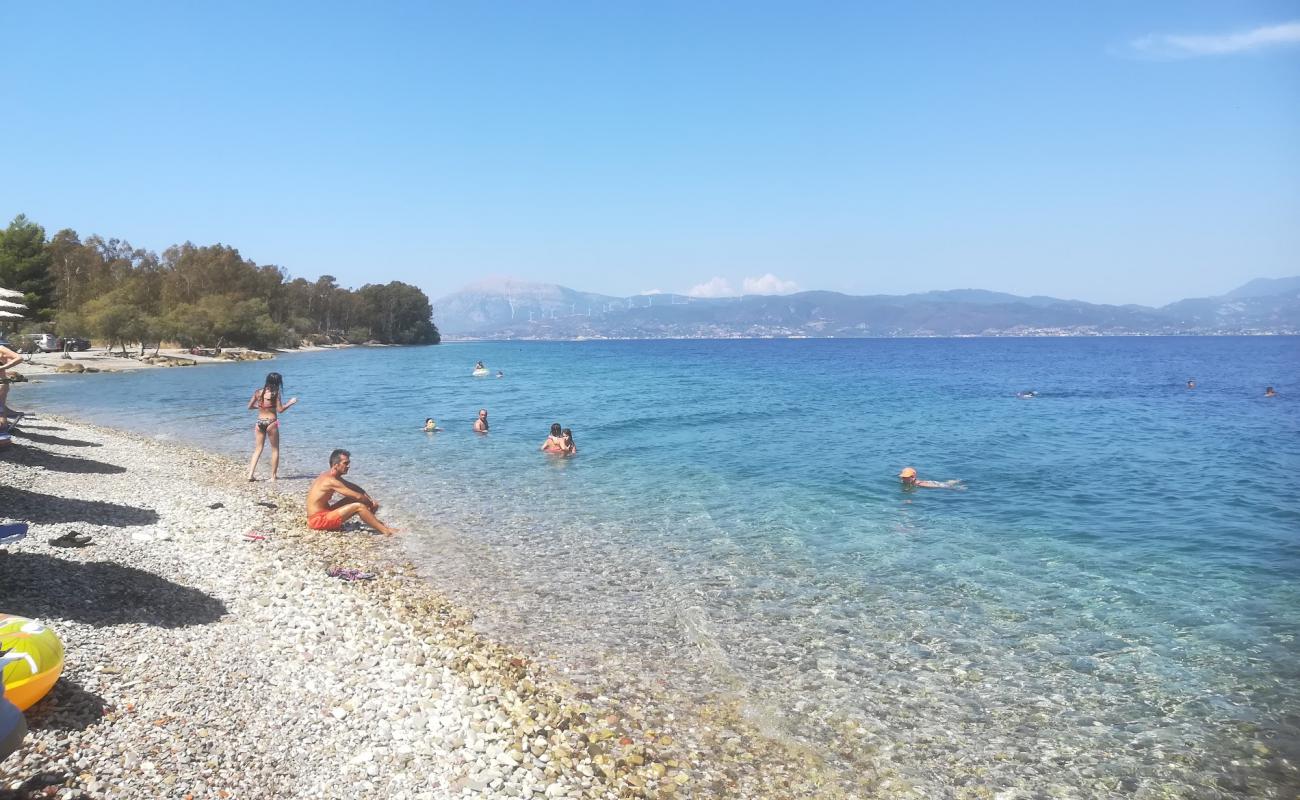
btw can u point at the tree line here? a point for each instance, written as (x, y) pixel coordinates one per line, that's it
(196, 296)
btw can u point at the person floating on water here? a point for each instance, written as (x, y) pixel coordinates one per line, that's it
(1027, 394)
(909, 479)
(430, 426)
(570, 449)
(481, 424)
(555, 442)
(270, 405)
(1268, 392)
(324, 515)
(1191, 383)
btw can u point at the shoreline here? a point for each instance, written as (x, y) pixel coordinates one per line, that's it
(96, 360)
(213, 659)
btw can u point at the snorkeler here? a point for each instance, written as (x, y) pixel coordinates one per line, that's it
(908, 477)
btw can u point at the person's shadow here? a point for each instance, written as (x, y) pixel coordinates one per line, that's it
(99, 593)
(45, 438)
(36, 457)
(42, 509)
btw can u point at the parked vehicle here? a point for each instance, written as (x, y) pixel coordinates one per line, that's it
(47, 342)
(74, 343)
(5, 343)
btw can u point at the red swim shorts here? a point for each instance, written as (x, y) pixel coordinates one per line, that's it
(325, 521)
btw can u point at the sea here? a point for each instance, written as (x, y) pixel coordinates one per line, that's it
(1108, 606)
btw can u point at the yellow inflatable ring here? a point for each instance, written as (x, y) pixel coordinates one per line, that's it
(33, 659)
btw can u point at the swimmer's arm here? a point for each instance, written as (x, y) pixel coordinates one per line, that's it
(285, 406)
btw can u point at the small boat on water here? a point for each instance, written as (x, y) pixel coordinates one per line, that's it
(480, 372)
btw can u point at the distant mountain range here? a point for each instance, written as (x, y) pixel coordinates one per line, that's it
(510, 309)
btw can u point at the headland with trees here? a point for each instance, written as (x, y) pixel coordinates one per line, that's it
(196, 296)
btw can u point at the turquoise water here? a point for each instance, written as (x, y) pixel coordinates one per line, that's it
(1111, 606)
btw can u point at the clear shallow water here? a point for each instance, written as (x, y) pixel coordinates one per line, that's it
(1112, 606)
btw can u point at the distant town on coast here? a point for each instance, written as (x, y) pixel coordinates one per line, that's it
(509, 309)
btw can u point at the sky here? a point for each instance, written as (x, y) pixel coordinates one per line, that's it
(1107, 151)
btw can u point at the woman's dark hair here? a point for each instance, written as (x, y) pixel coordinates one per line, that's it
(568, 434)
(555, 429)
(274, 382)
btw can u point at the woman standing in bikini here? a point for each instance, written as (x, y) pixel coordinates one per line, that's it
(269, 408)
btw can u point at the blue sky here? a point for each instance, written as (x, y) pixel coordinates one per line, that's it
(1107, 151)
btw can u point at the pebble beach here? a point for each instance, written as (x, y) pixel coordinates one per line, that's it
(210, 654)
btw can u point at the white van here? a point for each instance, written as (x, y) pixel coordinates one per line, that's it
(46, 342)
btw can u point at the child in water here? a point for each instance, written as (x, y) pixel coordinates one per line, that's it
(430, 426)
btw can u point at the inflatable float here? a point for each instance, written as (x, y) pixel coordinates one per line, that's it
(480, 373)
(32, 657)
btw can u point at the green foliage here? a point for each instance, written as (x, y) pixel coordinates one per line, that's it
(208, 296)
(25, 265)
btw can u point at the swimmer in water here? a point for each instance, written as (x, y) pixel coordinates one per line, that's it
(479, 365)
(500, 374)
(430, 426)
(481, 424)
(570, 449)
(908, 477)
(1191, 384)
(1268, 392)
(1027, 394)
(555, 442)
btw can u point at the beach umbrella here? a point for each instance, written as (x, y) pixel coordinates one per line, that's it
(8, 304)
(9, 292)
(9, 315)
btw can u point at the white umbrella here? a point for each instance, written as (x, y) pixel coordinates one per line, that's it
(9, 292)
(10, 315)
(7, 304)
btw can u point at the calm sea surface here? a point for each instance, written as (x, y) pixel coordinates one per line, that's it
(1111, 607)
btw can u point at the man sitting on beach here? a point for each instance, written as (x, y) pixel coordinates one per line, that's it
(323, 515)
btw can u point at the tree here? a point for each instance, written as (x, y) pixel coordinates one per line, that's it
(25, 265)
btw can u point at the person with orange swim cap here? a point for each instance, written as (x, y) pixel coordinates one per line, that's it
(910, 481)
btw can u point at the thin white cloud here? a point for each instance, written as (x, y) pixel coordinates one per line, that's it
(651, 291)
(717, 287)
(769, 284)
(1168, 45)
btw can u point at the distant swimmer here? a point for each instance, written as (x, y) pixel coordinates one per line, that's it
(430, 426)
(555, 442)
(1268, 392)
(479, 365)
(500, 374)
(1027, 394)
(570, 449)
(481, 424)
(324, 515)
(1191, 384)
(908, 477)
